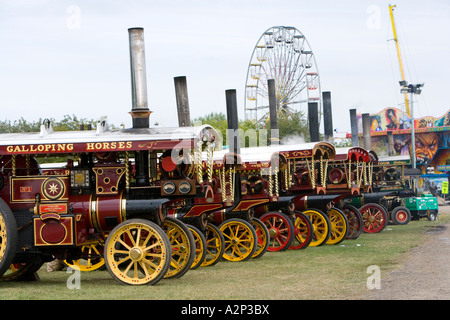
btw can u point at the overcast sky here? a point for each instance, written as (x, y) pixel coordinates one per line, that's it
(72, 57)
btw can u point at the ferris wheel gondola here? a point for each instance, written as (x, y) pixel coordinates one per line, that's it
(283, 54)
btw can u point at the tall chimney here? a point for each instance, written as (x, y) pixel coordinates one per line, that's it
(139, 112)
(232, 121)
(233, 138)
(366, 131)
(274, 133)
(354, 127)
(184, 117)
(327, 116)
(313, 117)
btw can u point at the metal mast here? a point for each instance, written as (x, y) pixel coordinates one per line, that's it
(391, 12)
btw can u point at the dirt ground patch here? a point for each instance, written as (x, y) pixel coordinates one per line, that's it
(425, 274)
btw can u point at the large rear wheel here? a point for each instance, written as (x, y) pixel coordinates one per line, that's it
(8, 237)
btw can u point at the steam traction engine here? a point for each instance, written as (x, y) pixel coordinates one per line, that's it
(99, 192)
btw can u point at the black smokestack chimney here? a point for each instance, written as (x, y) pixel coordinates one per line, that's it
(313, 116)
(232, 121)
(139, 112)
(184, 117)
(233, 137)
(327, 116)
(354, 128)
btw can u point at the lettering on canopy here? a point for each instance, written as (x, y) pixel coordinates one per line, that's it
(93, 146)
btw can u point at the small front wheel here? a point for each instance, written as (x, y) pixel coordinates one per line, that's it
(303, 230)
(355, 221)
(375, 217)
(321, 226)
(262, 235)
(200, 246)
(281, 230)
(240, 239)
(215, 245)
(183, 247)
(339, 226)
(137, 252)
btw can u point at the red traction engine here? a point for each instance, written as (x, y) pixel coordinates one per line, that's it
(302, 190)
(109, 188)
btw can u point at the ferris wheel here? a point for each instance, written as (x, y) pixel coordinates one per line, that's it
(283, 54)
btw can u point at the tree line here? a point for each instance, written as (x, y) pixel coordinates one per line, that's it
(293, 126)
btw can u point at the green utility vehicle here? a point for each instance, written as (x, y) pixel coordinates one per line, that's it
(425, 206)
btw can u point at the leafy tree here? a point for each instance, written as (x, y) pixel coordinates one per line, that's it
(293, 127)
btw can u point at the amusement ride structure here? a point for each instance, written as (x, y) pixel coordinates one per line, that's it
(283, 54)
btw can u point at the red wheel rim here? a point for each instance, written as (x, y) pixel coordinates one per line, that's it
(354, 222)
(302, 233)
(279, 231)
(401, 216)
(374, 218)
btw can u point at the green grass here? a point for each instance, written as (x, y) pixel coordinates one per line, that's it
(326, 272)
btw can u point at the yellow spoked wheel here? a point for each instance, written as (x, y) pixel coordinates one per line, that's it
(321, 226)
(8, 237)
(240, 239)
(339, 226)
(215, 246)
(91, 257)
(183, 247)
(262, 234)
(137, 252)
(200, 247)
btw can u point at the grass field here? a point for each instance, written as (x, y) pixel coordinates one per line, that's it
(326, 272)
